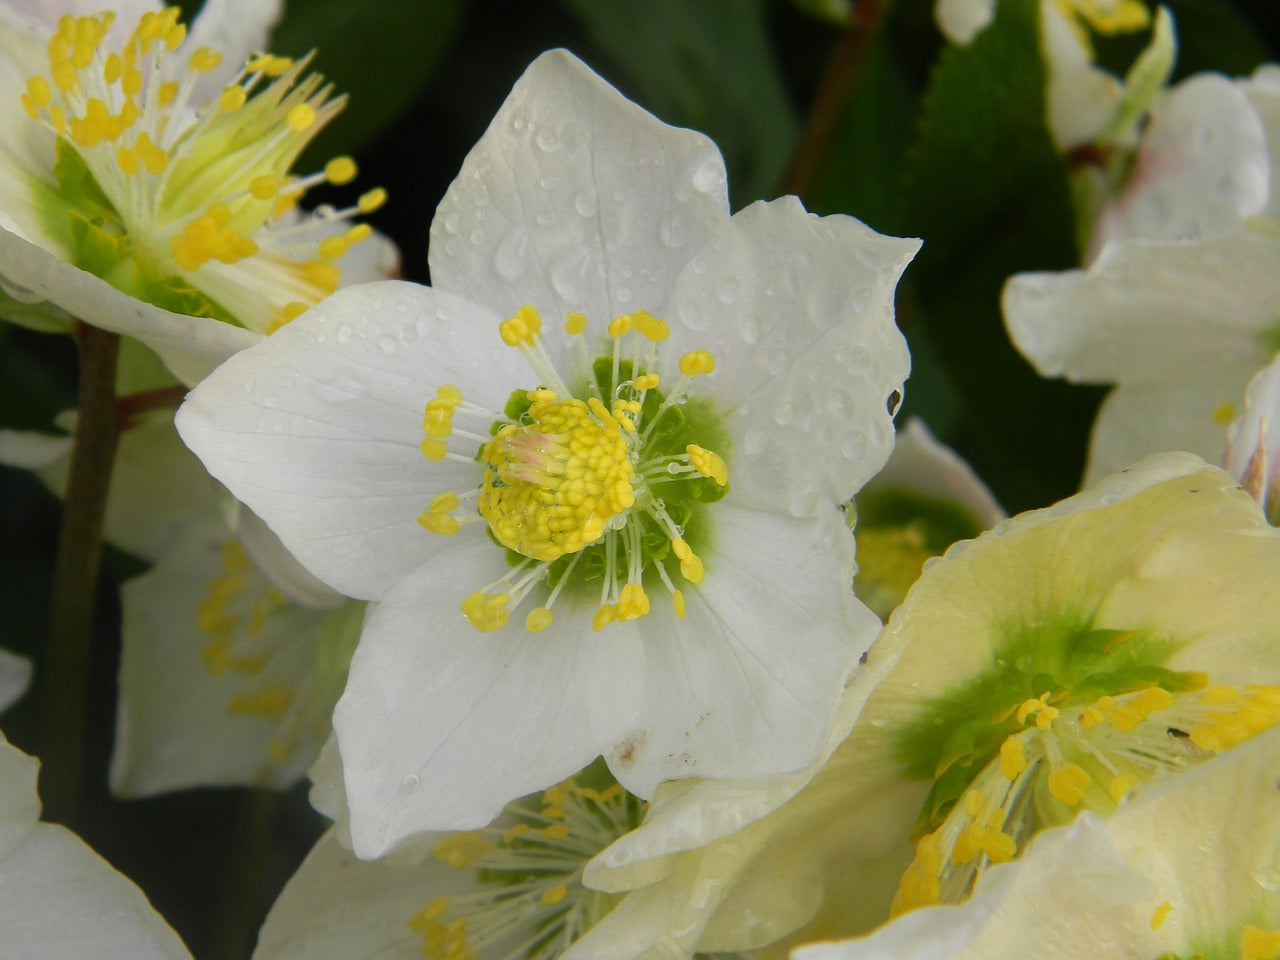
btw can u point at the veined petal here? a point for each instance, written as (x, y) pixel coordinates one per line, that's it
(58, 898)
(1140, 420)
(1150, 312)
(325, 443)
(786, 301)
(575, 199)
(1202, 170)
(190, 346)
(428, 697)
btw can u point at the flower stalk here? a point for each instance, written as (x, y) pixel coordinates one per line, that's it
(65, 668)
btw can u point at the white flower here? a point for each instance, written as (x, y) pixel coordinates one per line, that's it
(144, 178)
(232, 656)
(1186, 867)
(681, 594)
(1178, 307)
(1041, 670)
(58, 898)
(1252, 455)
(513, 889)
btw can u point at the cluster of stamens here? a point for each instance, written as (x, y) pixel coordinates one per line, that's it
(529, 894)
(196, 184)
(1060, 760)
(564, 473)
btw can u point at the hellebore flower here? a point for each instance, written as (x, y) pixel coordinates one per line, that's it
(57, 897)
(513, 889)
(1177, 304)
(616, 529)
(1042, 670)
(146, 183)
(232, 656)
(1186, 867)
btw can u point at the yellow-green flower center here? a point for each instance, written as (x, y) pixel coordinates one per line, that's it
(590, 489)
(153, 186)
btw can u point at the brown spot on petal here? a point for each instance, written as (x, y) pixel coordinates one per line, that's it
(628, 751)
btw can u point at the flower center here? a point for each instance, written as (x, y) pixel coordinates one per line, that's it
(1060, 760)
(153, 181)
(527, 894)
(600, 484)
(552, 485)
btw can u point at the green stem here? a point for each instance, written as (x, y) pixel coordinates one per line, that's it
(65, 666)
(833, 95)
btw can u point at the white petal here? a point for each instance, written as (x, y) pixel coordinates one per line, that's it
(1028, 908)
(338, 907)
(176, 725)
(319, 430)
(1201, 171)
(1140, 420)
(1263, 91)
(15, 677)
(1255, 440)
(962, 20)
(1079, 97)
(59, 899)
(189, 346)
(279, 566)
(797, 311)
(921, 464)
(440, 726)
(575, 199)
(748, 683)
(1150, 312)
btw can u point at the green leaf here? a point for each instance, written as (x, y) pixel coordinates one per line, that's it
(708, 66)
(379, 54)
(989, 194)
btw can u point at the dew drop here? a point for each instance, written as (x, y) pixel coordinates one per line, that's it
(450, 222)
(411, 782)
(547, 140)
(344, 334)
(623, 294)
(729, 290)
(512, 255)
(749, 327)
(388, 345)
(586, 204)
(802, 500)
(708, 177)
(270, 400)
(672, 231)
(753, 440)
(478, 236)
(691, 316)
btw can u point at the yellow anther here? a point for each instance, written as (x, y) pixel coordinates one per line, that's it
(1120, 786)
(439, 521)
(323, 274)
(301, 117)
(232, 98)
(553, 811)
(677, 601)
(340, 170)
(1219, 694)
(371, 200)
(554, 895)
(1013, 758)
(361, 231)
(556, 831)
(1069, 783)
(697, 363)
(1151, 699)
(331, 248)
(1224, 413)
(524, 327)
(39, 92)
(681, 549)
(1029, 707)
(1259, 944)
(127, 160)
(540, 395)
(691, 568)
(605, 615)
(204, 60)
(649, 326)
(575, 323)
(539, 619)
(272, 66)
(1091, 717)
(431, 913)
(633, 603)
(620, 326)
(271, 702)
(1045, 717)
(131, 81)
(515, 832)
(486, 611)
(265, 186)
(460, 850)
(168, 93)
(647, 381)
(153, 157)
(434, 450)
(708, 464)
(1160, 914)
(112, 68)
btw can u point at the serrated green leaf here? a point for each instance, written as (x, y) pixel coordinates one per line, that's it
(709, 66)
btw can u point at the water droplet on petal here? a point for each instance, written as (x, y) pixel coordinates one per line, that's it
(512, 255)
(708, 176)
(411, 782)
(729, 290)
(672, 231)
(387, 345)
(344, 334)
(586, 204)
(547, 140)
